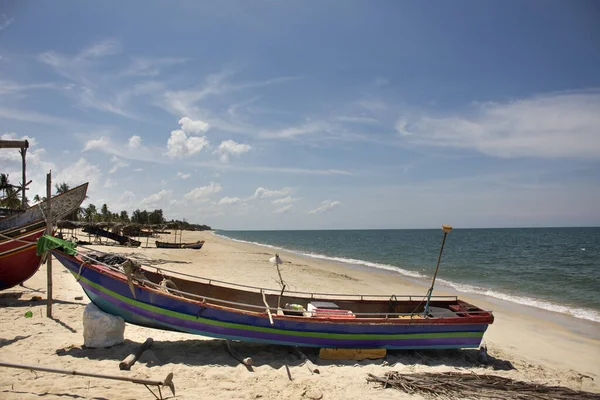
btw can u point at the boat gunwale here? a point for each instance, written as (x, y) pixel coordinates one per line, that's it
(474, 317)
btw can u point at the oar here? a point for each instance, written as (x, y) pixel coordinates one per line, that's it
(446, 229)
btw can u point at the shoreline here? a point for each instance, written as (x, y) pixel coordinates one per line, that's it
(544, 327)
(548, 308)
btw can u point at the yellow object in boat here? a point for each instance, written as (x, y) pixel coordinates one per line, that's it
(351, 354)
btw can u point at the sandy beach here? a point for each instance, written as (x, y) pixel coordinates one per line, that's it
(524, 343)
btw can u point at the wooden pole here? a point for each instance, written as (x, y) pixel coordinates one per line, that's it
(23, 153)
(49, 255)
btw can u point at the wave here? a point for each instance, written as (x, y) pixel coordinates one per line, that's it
(581, 313)
(344, 260)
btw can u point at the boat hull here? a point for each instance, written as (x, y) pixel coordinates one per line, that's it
(19, 233)
(156, 309)
(168, 245)
(18, 258)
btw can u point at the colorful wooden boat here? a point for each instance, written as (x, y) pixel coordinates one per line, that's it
(18, 235)
(168, 300)
(168, 245)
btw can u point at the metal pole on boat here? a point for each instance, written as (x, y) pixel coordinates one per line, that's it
(446, 229)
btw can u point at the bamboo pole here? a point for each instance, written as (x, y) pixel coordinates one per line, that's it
(49, 254)
(167, 382)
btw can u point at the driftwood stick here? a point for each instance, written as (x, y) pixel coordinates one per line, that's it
(133, 357)
(245, 361)
(311, 367)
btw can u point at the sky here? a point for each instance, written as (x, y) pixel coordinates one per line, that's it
(311, 114)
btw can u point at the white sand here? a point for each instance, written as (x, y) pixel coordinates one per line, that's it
(543, 347)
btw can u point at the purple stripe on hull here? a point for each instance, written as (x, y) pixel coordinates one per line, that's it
(164, 302)
(193, 327)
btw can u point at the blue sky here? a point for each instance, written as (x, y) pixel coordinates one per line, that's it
(311, 115)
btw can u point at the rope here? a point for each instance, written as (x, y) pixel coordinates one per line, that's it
(17, 240)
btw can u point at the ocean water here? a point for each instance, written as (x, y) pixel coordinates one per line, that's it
(556, 269)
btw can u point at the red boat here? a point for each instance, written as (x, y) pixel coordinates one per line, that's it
(19, 234)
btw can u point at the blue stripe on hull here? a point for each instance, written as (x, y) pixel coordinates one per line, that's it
(168, 303)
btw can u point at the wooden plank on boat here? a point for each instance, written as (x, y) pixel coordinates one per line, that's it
(133, 357)
(351, 354)
(268, 308)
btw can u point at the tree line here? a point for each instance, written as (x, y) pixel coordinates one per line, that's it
(91, 213)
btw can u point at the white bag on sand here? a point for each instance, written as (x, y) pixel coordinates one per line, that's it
(101, 329)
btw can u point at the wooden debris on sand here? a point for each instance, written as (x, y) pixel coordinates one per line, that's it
(452, 385)
(133, 357)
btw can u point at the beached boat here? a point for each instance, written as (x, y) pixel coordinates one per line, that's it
(168, 245)
(167, 300)
(19, 232)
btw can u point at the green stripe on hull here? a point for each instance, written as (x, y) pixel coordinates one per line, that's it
(338, 336)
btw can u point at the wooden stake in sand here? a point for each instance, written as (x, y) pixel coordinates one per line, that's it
(48, 254)
(133, 357)
(146, 382)
(311, 367)
(245, 361)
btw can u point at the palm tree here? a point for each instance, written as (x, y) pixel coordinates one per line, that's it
(62, 187)
(90, 213)
(10, 195)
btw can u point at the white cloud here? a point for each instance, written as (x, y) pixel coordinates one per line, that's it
(285, 200)
(293, 131)
(9, 87)
(135, 142)
(284, 209)
(109, 183)
(325, 206)
(180, 145)
(183, 176)
(5, 21)
(80, 172)
(138, 169)
(230, 147)
(559, 125)
(97, 144)
(117, 163)
(144, 66)
(157, 200)
(33, 117)
(188, 125)
(203, 193)
(262, 193)
(230, 200)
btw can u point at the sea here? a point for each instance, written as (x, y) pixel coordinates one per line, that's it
(555, 269)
